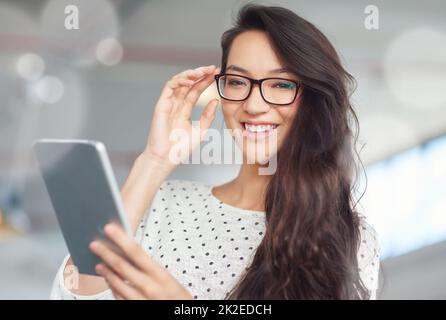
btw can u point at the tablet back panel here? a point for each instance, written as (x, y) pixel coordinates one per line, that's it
(83, 192)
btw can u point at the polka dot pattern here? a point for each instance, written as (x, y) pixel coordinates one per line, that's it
(369, 257)
(207, 244)
(215, 241)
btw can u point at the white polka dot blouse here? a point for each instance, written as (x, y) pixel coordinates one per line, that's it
(207, 244)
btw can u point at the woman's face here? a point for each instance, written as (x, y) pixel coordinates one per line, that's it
(253, 56)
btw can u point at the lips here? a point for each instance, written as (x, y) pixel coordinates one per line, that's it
(257, 130)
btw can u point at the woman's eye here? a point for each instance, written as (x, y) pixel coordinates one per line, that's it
(284, 85)
(236, 83)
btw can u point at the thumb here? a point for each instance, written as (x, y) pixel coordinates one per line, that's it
(208, 116)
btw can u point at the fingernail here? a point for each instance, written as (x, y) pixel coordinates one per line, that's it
(108, 228)
(99, 268)
(93, 245)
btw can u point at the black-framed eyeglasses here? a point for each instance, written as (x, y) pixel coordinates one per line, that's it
(277, 91)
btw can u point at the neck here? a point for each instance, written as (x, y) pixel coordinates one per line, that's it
(249, 187)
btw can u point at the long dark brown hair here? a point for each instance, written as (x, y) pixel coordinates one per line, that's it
(309, 250)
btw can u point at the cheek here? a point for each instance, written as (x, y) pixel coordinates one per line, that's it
(229, 113)
(290, 113)
(288, 117)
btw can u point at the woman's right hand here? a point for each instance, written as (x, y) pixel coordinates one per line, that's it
(171, 129)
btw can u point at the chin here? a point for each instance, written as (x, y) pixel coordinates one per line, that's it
(258, 143)
(259, 156)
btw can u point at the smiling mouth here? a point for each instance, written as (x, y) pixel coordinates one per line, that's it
(256, 131)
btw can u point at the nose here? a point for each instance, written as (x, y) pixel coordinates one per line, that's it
(255, 103)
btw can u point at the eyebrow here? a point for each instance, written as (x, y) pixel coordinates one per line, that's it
(239, 69)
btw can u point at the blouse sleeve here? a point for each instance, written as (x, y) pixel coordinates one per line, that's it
(369, 258)
(60, 291)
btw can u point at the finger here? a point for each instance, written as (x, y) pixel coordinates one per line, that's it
(180, 94)
(174, 87)
(119, 287)
(207, 116)
(178, 97)
(134, 253)
(194, 93)
(184, 79)
(117, 296)
(117, 263)
(145, 286)
(194, 73)
(173, 84)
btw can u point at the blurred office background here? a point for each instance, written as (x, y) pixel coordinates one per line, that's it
(101, 82)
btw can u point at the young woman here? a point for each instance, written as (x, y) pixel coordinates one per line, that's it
(293, 234)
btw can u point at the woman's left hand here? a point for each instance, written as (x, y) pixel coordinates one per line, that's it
(134, 275)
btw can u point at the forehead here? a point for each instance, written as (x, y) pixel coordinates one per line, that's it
(253, 51)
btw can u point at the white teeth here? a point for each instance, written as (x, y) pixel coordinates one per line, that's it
(259, 128)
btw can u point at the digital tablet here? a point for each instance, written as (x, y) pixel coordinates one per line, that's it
(83, 192)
